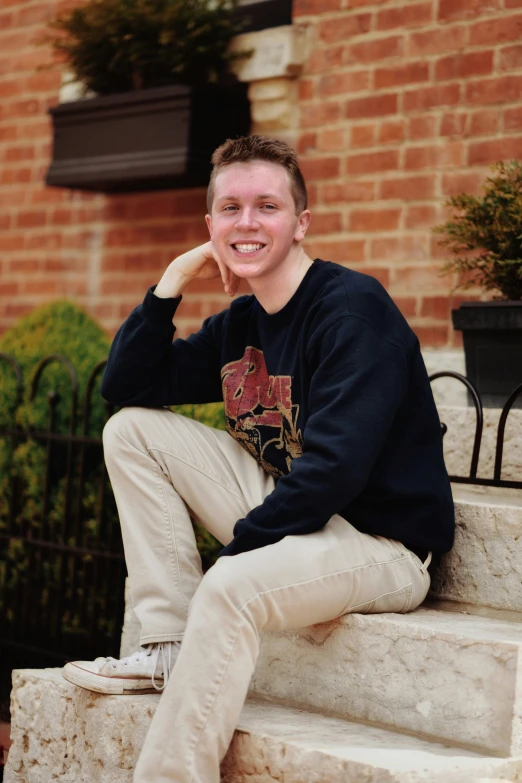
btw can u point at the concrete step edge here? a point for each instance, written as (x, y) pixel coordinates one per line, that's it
(56, 733)
(444, 674)
(294, 741)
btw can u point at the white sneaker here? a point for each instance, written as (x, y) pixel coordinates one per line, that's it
(145, 671)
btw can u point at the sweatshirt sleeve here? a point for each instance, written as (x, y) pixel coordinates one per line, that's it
(146, 368)
(358, 381)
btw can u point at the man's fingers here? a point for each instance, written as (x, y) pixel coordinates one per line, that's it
(234, 285)
(222, 268)
(230, 281)
(225, 272)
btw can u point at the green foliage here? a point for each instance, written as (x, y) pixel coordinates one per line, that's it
(55, 328)
(121, 45)
(212, 414)
(58, 327)
(485, 234)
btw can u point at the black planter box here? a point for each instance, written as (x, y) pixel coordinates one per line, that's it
(492, 334)
(145, 140)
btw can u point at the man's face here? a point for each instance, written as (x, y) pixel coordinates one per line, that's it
(253, 224)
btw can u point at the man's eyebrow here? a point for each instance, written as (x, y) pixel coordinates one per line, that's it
(261, 196)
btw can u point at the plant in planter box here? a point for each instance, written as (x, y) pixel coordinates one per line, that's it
(485, 237)
(166, 99)
(120, 45)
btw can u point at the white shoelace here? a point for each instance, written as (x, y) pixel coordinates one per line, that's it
(166, 662)
(155, 650)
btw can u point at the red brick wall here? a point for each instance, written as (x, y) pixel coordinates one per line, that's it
(103, 252)
(402, 103)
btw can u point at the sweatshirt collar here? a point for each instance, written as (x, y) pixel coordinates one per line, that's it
(286, 314)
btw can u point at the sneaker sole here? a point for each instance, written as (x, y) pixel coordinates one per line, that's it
(100, 683)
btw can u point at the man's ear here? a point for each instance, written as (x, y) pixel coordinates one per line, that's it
(208, 221)
(302, 225)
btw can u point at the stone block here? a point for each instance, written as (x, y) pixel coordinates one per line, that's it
(458, 442)
(64, 733)
(273, 113)
(447, 391)
(60, 732)
(484, 568)
(275, 52)
(450, 676)
(72, 90)
(271, 90)
(276, 743)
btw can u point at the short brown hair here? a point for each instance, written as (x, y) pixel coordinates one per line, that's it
(250, 148)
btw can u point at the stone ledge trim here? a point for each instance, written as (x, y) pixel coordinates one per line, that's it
(276, 52)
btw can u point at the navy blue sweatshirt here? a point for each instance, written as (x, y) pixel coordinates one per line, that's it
(330, 395)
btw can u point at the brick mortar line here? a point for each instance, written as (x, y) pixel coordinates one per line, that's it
(340, 124)
(402, 89)
(437, 141)
(417, 143)
(340, 70)
(406, 58)
(314, 20)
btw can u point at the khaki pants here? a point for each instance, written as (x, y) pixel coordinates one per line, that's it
(166, 469)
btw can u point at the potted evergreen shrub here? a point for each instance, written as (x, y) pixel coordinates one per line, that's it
(164, 99)
(484, 236)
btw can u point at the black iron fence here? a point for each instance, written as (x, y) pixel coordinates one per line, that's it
(62, 568)
(496, 480)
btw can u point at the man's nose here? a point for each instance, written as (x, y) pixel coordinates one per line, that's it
(247, 219)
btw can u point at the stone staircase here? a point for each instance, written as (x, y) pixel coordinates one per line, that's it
(434, 696)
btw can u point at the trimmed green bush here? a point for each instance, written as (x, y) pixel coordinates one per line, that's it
(55, 328)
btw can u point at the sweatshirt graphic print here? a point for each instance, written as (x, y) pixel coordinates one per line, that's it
(259, 412)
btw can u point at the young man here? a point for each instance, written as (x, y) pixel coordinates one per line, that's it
(330, 495)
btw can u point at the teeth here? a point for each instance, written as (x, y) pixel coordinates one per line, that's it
(247, 248)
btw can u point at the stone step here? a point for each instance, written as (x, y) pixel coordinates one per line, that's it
(484, 568)
(447, 675)
(64, 733)
(303, 747)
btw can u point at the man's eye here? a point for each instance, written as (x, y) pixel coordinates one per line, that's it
(230, 208)
(269, 206)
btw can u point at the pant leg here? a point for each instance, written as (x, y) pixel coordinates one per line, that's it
(299, 581)
(165, 469)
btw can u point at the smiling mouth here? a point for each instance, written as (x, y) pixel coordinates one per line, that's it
(247, 247)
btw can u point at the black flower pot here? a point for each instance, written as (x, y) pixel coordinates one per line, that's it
(145, 140)
(492, 333)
